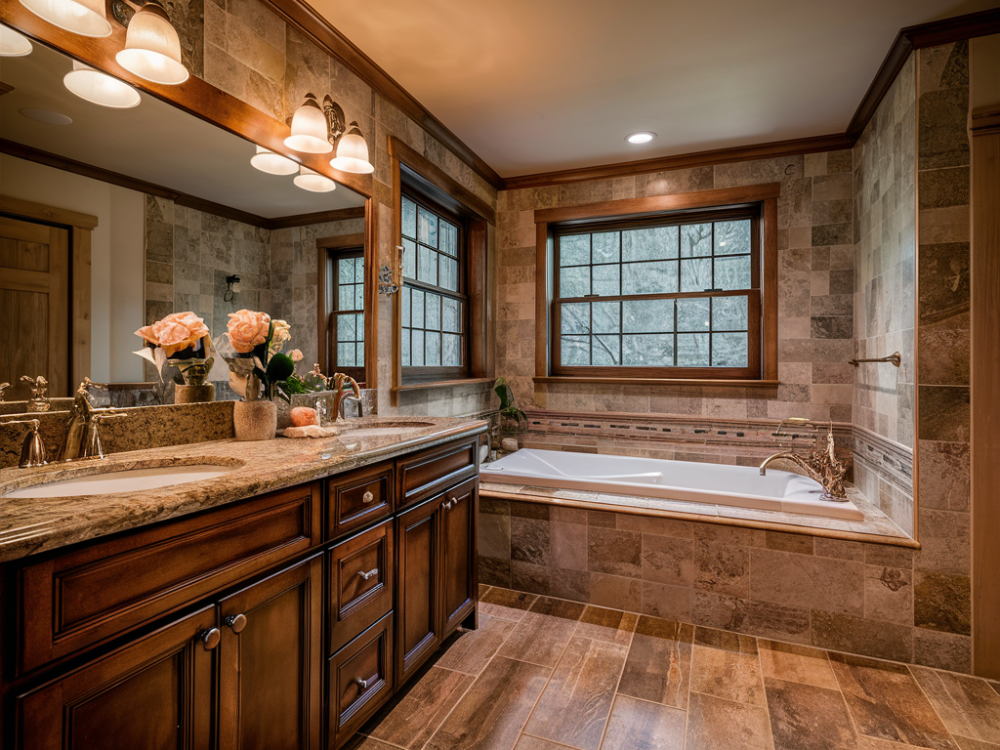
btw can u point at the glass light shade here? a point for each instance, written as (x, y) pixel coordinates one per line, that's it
(84, 17)
(100, 88)
(352, 153)
(267, 161)
(152, 48)
(313, 181)
(309, 130)
(13, 44)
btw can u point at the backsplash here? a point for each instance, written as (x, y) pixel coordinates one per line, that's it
(146, 427)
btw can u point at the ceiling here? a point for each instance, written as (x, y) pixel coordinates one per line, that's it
(541, 85)
(154, 142)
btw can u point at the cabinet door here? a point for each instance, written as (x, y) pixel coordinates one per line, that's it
(271, 660)
(458, 552)
(418, 631)
(155, 693)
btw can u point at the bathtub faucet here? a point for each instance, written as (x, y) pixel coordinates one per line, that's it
(821, 465)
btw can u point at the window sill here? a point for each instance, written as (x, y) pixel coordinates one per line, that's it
(440, 384)
(565, 380)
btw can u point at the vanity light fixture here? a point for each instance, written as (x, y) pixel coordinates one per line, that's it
(643, 136)
(232, 288)
(309, 129)
(84, 17)
(309, 179)
(267, 161)
(13, 43)
(352, 153)
(152, 47)
(100, 88)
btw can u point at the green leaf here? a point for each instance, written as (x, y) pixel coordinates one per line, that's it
(280, 368)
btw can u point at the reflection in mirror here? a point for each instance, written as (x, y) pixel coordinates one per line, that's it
(113, 218)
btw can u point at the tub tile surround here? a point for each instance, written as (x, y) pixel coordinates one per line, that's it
(544, 673)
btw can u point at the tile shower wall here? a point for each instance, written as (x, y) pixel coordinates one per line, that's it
(815, 288)
(245, 49)
(942, 598)
(885, 260)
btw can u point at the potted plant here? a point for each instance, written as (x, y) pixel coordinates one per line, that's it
(182, 340)
(256, 370)
(510, 418)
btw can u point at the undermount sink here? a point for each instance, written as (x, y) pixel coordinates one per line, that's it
(385, 429)
(130, 480)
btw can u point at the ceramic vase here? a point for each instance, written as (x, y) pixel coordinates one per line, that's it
(255, 420)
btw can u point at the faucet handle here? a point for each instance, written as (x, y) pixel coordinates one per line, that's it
(3, 387)
(33, 451)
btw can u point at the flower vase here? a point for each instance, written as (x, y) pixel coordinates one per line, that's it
(255, 420)
(194, 394)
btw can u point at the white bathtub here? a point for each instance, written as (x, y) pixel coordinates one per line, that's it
(740, 486)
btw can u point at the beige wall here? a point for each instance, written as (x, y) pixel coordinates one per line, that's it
(116, 257)
(815, 288)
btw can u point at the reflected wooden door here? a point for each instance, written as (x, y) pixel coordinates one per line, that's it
(34, 305)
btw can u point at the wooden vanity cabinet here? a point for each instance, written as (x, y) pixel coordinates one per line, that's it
(436, 556)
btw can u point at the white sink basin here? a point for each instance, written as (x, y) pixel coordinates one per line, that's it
(134, 480)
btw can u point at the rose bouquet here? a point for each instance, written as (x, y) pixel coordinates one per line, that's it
(259, 362)
(183, 340)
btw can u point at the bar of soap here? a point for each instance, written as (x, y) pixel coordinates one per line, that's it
(303, 415)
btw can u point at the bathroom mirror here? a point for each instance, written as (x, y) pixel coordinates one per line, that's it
(117, 217)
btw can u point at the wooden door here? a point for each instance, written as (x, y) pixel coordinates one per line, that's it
(155, 694)
(418, 632)
(34, 305)
(458, 552)
(271, 660)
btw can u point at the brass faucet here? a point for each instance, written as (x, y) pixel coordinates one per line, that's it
(821, 465)
(83, 437)
(341, 383)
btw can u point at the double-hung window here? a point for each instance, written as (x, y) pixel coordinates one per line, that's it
(675, 296)
(345, 288)
(433, 299)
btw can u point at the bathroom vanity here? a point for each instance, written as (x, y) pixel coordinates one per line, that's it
(278, 606)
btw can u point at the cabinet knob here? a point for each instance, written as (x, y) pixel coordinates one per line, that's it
(210, 638)
(367, 497)
(449, 505)
(363, 684)
(369, 575)
(236, 622)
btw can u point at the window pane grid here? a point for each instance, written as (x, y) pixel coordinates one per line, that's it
(348, 303)
(654, 276)
(433, 308)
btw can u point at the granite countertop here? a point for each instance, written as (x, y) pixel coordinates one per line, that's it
(32, 525)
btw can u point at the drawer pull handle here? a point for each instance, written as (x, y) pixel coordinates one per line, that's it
(363, 684)
(367, 497)
(369, 575)
(210, 638)
(236, 622)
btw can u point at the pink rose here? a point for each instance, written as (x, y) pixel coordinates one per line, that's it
(296, 355)
(175, 332)
(248, 329)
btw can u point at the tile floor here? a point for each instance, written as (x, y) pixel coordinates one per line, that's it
(551, 674)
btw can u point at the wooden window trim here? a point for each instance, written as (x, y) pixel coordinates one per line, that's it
(409, 168)
(547, 221)
(323, 247)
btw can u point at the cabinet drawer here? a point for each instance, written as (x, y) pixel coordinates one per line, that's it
(81, 598)
(361, 583)
(359, 498)
(422, 475)
(360, 679)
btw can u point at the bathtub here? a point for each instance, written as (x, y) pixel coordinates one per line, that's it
(739, 486)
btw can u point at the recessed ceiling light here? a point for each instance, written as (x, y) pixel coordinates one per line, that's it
(643, 136)
(45, 115)
(100, 88)
(13, 44)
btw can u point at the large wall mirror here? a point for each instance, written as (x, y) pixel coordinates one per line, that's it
(112, 218)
